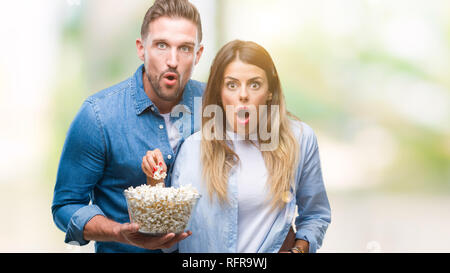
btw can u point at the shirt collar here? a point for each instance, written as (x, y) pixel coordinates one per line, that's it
(142, 101)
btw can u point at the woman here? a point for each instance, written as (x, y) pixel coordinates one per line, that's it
(252, 162)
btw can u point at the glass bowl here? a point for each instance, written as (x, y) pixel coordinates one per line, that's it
(159, 216)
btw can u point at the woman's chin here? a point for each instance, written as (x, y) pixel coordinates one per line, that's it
(243, 122)
(245, 130)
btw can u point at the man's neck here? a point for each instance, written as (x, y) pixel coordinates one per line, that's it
(163, 106)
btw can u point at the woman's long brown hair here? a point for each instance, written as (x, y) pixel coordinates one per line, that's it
(217, 155)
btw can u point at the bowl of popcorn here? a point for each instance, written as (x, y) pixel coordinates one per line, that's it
(159, 210)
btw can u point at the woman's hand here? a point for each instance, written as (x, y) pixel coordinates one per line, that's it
(150, 163)
(291, 242)
(302, 245)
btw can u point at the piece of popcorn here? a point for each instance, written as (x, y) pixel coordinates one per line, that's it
(159, 174)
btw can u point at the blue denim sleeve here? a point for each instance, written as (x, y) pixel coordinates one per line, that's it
(80, 168)
(312, 201)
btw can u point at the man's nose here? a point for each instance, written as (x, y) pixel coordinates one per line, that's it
(172, 59)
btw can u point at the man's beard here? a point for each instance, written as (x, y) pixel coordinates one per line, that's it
(156, 86)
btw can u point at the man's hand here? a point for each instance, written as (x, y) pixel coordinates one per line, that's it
(150, 163)
(100, 228)
(129, 233)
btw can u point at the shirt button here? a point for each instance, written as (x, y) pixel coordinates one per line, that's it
(161, 126)
(169, 157)
(152, 108)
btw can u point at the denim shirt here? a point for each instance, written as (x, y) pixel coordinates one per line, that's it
(103, 151)
(215, 228)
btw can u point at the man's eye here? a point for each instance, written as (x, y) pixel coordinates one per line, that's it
(185, 49)
(161, 45)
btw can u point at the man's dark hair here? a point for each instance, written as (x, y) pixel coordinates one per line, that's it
(172, 8)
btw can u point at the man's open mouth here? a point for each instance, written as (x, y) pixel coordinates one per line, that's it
(170, 78)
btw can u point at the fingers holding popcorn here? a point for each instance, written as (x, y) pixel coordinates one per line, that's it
(151, 160)
(146, 167)
(154, 167)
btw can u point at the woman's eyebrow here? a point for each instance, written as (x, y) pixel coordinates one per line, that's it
(252, 79)
(256, 78)
(231, 78)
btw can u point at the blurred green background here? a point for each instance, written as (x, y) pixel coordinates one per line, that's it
(371, 77)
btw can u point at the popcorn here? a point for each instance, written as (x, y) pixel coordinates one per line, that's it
(157, 175)
(159, 210)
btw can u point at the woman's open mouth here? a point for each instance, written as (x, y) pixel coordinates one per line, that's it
(243, 115)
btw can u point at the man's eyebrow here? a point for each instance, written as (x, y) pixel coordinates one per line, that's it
(159, 41)
(189, 44)
(167, 42)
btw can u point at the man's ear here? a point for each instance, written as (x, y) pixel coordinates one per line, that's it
(140, 49)
(198, 54)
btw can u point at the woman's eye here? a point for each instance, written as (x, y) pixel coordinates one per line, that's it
(255, 85)
(231, 85)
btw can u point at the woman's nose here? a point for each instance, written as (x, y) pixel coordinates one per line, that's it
(243, 94)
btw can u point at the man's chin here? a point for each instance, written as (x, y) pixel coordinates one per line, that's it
(170, 94)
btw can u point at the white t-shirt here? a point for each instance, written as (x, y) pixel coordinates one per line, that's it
(254, 216)
(172, 131)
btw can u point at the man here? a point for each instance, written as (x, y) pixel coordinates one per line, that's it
(115, 128)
